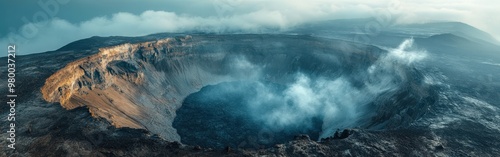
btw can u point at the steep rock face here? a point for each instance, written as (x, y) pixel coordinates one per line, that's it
(111, 85)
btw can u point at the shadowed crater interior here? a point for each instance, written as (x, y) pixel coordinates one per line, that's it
(222, 115)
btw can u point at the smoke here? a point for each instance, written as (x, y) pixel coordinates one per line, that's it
(335, 101)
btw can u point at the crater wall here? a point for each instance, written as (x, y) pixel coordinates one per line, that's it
(142, 85)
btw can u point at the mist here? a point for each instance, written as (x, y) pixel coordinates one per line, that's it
(306, 100)
(336, 101)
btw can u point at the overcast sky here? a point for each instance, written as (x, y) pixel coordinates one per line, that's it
(71, 20)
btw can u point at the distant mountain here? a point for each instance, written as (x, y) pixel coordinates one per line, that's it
(453, 44)
(455, 28)
(348, 28)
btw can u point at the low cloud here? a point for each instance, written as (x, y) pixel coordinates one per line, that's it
(249, 16)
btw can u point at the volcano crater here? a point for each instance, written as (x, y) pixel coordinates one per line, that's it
(223, 90)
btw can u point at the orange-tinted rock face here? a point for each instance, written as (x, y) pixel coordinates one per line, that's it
(112, 85)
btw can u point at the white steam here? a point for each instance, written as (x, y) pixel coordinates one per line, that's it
(337, 102)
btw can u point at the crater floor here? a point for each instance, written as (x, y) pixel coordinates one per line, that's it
(219, 116)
